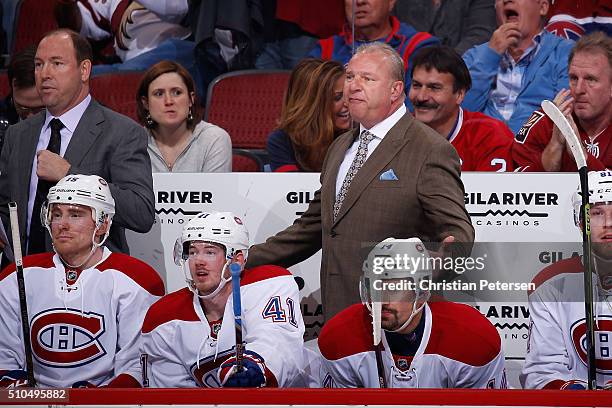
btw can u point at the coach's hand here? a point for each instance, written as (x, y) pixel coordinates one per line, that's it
(51, 167)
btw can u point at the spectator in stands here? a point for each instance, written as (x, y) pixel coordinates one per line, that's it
(314, 113)
(572, 19)
(539, 146)
(144, 32)
(178, 140)
(23, 100)
(440, 80)
(460, 24)
(521, 64)
(373, 21)
(75, 134)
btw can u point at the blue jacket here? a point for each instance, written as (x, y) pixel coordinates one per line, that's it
(405, 39)
(545, 75)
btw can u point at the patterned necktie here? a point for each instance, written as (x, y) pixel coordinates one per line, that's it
(36, 243)
(362, 152)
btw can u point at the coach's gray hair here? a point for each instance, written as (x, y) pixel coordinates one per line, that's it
(396, 65)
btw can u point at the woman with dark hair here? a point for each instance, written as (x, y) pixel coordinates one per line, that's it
(314, 113)
(179, 141)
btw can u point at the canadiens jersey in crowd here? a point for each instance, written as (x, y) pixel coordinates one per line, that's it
(459, 348)
(482, 142)
(557, 330)
(534, 136)
(572, 19)
(84, 327)
(183, 349)
(138, 27)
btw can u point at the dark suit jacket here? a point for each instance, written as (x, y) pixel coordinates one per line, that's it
(104, 143)
(427, 201)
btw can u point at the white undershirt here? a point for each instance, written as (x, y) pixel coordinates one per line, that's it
(379, 131)
(70, 119)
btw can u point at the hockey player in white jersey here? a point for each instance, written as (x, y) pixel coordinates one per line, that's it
(189, 336)
(424, 345)
(85, 304)
(556, 356)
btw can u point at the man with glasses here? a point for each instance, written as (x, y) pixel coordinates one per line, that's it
(23, 100)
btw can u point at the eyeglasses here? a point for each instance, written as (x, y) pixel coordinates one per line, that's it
(25, 112)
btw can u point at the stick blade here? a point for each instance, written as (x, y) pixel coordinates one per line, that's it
(571, 138)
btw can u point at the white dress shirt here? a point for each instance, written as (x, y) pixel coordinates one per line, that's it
(70, 119)
(379, 131)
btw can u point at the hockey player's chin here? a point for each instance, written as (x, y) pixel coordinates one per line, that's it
(603, 249)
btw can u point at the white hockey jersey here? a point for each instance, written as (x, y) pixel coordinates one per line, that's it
(85, 331)
(460, 348)
(556, 350)
(138, 26)
(181, 351)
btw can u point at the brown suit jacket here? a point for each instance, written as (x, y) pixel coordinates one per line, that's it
(427, 201)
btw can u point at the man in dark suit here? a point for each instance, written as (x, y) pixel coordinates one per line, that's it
(74, 135)
(394, 177)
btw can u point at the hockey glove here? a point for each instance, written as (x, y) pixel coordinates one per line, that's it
(252, 374)
(83, 384)
(13, 379)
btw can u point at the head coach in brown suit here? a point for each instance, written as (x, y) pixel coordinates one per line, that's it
(394, 177)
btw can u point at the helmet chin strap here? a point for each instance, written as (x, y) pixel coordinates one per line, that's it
(415, 311)
(215, 292)
(94, 245)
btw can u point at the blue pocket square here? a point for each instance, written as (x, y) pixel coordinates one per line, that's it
(388, 175)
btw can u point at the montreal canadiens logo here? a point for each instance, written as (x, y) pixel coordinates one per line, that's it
(67, 337)
(603, 342)
(205, 373)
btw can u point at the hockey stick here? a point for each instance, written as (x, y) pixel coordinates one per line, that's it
(235, 271)
(23, 304)
(573, 141)
(377, 335)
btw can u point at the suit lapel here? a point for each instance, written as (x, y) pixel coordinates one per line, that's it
(85, 134)
(388, 148)
(28, 155)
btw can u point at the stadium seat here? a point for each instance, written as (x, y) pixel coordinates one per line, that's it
(4, 84)
(245, 161)
(117, 91)
(33, 18)
(247, 104)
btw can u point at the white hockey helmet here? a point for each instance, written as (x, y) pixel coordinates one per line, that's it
(395, 259)
(223, 228)
(89, 190)
(600, 191)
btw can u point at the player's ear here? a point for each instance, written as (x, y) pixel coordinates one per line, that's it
(103, 229)
(239, 258)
